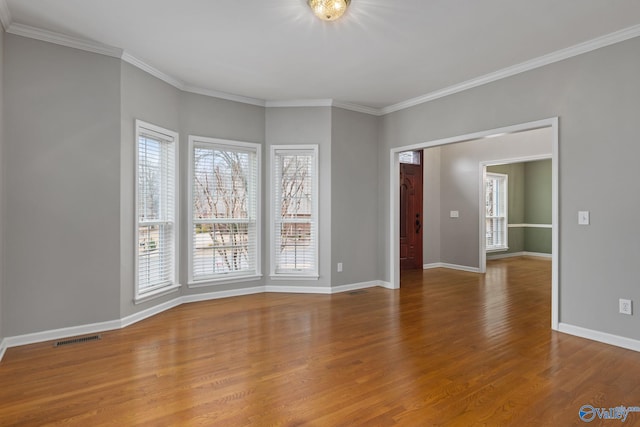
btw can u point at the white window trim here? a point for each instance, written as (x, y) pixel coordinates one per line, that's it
(231, 277)
(294, 149)
(505, 246)
(150, 129)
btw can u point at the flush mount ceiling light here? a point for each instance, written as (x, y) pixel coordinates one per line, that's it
(328, 10)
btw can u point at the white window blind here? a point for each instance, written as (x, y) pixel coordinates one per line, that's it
(496, 211)
(295, 196)
(224, 209)
(156, 208)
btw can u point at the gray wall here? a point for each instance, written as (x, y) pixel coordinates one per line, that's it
(431, 206)
(354, 196)
(538, 206)
(62, 158)
(597, 98)
(460, 176)
(308, 125)
(146, 98)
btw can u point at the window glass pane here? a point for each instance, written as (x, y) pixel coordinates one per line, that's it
(155, 206)
(149, 178)
(296, 246)
(496, 211)
(155, 256)
(221, 248)
(295, 216)
(410, 157)
(224, 208)
(221, 183)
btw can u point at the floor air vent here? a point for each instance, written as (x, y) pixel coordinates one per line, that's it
(77, 340)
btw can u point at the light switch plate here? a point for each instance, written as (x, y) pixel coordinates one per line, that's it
(583, 217)
(454, 214)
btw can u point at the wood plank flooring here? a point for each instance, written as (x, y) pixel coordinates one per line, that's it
(448, 349)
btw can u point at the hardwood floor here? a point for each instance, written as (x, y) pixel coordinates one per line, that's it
(449, 348)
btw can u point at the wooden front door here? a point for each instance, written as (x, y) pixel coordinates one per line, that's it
(411, 213)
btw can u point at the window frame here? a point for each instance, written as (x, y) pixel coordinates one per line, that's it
(224, 278)
(143, 128)
(274, 185)
(504, 182)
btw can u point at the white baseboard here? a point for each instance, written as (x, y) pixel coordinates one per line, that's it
(461, 268)
(94, 328)
(284, 289)
(518, 254)
(3, 347)
(602, 337)
(451, 266)
(355, 286)
(386, 285)
(149, 312)
(185, 299)
(538, 254)
(432, 265)
(56, 334)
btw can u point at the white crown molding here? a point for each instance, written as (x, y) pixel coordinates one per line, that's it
(5, 14)
(224, 95)
(63, 40)
(358, 108)
(300, 103)
(324, 103)
(130, 59)
(560, 55)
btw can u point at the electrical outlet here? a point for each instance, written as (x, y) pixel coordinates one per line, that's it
(583, 217)
(339, 267)
(626, 306)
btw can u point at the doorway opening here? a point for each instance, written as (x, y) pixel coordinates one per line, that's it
(411, 214)
(517, 208)
(479, 259)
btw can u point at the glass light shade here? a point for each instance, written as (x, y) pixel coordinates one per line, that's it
(329, 10)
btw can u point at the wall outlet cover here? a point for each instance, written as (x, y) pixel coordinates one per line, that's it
(626, 306)
(583, 217)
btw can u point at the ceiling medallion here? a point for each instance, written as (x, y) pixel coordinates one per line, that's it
(329, 10)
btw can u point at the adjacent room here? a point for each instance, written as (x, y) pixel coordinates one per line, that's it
(319, 212)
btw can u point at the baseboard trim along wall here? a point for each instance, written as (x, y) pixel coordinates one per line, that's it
(56, 334)
(451, 266)
(517, 254)
(3, 347)
(598, 336)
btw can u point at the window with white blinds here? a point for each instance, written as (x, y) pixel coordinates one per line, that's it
(295, 210)
(496, 211)
(156, 236)
(224, 210)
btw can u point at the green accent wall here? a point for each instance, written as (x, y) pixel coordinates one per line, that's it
(537, 192)
(530, 202)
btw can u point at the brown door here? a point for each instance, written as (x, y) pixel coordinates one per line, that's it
(411, 212)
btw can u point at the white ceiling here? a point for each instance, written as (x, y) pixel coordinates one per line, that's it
(381, 53)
